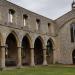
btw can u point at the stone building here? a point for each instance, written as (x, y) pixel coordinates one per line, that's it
(27, 38)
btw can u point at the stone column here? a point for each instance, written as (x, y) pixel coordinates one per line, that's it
(19, 58)
(32, 57)
(2, 57)
(44, 57)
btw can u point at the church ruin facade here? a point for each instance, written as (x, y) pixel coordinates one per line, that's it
(27, 38)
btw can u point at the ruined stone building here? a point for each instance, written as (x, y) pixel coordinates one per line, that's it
(27, 38)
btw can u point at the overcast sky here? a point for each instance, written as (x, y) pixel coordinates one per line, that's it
(49, 8)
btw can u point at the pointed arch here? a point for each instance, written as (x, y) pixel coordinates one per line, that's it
(29, 38)
(42, 41)
(38, 50)
(15, 35)
(26, 44)
(50, 48)
(11, 52)
(52, 41)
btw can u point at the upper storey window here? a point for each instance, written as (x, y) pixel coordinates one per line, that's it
(37, 24)
(25, 18)
(11, 15)
(72, 29)
(49, 27)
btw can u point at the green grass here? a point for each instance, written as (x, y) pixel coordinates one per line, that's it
(41, 70)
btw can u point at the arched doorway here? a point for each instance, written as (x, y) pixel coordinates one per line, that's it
(50, 51)
(38, 51)
(11, 51)
(73, 56)
(26, 51)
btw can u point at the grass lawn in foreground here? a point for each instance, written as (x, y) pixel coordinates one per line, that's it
(41, 70)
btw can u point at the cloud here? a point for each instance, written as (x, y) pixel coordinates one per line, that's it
(49, 8)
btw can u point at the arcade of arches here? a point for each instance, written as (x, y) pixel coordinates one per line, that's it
(12, 55)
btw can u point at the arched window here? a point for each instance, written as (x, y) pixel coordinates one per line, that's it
(37, 24)
(49, 46)
(25, 17)
(11, 15)
(72, 30)
(49, 27)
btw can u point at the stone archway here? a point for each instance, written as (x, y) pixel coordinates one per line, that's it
(50, 51)
(73, 56)
(11, 53)
(26, 60)
(38, 51)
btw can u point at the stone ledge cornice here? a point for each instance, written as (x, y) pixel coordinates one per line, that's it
(28, 30)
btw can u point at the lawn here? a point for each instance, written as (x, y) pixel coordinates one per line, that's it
(41, 70)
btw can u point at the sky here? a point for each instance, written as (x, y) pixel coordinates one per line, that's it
(49, 8)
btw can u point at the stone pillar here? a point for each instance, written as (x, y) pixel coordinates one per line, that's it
(32, 57)
(44, 57)
(2, 57)
(54, 56)
(19, 58)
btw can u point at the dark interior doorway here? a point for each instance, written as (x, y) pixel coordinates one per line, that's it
(11, 51)
(49, 51)
(38, 52)
(26, 51)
